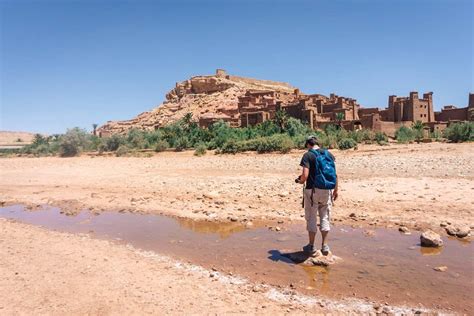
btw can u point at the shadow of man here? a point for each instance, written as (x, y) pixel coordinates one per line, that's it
(296, 257)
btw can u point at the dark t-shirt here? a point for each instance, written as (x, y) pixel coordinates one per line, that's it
(309, 161)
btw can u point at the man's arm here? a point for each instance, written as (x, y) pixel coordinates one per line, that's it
(304, 175)
(335, 192)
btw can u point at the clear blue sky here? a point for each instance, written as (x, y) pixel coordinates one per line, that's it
(74, 63)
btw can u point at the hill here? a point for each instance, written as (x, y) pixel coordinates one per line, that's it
(200, 95)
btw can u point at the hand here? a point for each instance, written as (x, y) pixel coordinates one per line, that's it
(335, 195)
(298, 180)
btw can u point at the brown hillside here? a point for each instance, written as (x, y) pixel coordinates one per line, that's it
(202, 96)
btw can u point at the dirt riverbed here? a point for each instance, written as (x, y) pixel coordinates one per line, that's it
(416, 185)
(419, 186)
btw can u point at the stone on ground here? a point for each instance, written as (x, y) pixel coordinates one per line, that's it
(317, 259)
(430, 239)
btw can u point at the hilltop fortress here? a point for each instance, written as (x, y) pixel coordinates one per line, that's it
(245, 102)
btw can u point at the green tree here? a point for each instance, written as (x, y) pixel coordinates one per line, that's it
(281, 119)
(94, 129)
(73, 142)
(339, 118)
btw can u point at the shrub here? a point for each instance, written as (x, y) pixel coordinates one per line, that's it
(39, 139)
(460, 132)
(41, 150)
(19, 140)
(346, 143)
(73, 142)
(181, 144)
(295, 127)
(161, 145)
(152, 138)
(200, 150)
(381, 138)
(113, 142)
(136, 138)
(279, 142)
(362, 136)
(230, 147)
(437, 135)
(405, 135)
(123, 150)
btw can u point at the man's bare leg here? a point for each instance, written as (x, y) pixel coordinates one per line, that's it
(324, 235)
(312, 236)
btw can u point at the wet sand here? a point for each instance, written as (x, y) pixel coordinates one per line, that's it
(381, 266)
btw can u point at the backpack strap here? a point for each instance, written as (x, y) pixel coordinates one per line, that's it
(316, 154)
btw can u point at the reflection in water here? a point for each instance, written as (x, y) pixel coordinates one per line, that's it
(430, 251)
(318, 278)
(200, 226)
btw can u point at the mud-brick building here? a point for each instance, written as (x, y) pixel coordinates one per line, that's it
(257, 107)
(411, 108)
(451, 113)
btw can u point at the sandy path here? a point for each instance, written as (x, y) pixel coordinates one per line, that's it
(416, 185)
(46, 272)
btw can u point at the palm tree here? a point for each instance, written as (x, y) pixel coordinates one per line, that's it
(281, 118)
(418, 125)
(94, 128)
(339, 119)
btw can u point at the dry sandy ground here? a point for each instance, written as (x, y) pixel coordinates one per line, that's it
(417, 185)
(46, 272)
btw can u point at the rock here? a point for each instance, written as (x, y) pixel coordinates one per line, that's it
(283, 194)
(430, 239)
(441, 268)
(352, 215)
(451, 230)
(443, 224)
(233, 219)
(404, 229)
(321, 260)
(277, 228)
(463, 231)
(369, 233)
(460, 232)
(211, 195)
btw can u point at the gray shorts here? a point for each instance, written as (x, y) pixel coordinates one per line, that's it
(322, 205)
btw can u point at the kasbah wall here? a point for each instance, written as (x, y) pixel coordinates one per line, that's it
(318, 110)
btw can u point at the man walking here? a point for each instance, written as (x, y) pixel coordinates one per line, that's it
(319, 173)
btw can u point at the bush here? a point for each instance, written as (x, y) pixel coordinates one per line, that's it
(405, 135)
(113, 142)
(295, 127)
(73, 142)
(152, 138)
(41, 150)
(200, 150)
(181, 144)
(161, 145)
(136, 139)
(436, 135)
(230, 147)
(381, 138)
(346, 143)
(460, 132)
(123, 150)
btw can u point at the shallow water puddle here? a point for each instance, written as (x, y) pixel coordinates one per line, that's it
(386, 267)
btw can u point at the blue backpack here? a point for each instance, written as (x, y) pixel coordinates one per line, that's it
(325, 170)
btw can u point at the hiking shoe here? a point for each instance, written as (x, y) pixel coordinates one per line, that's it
(325, 250)
(309, 249)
